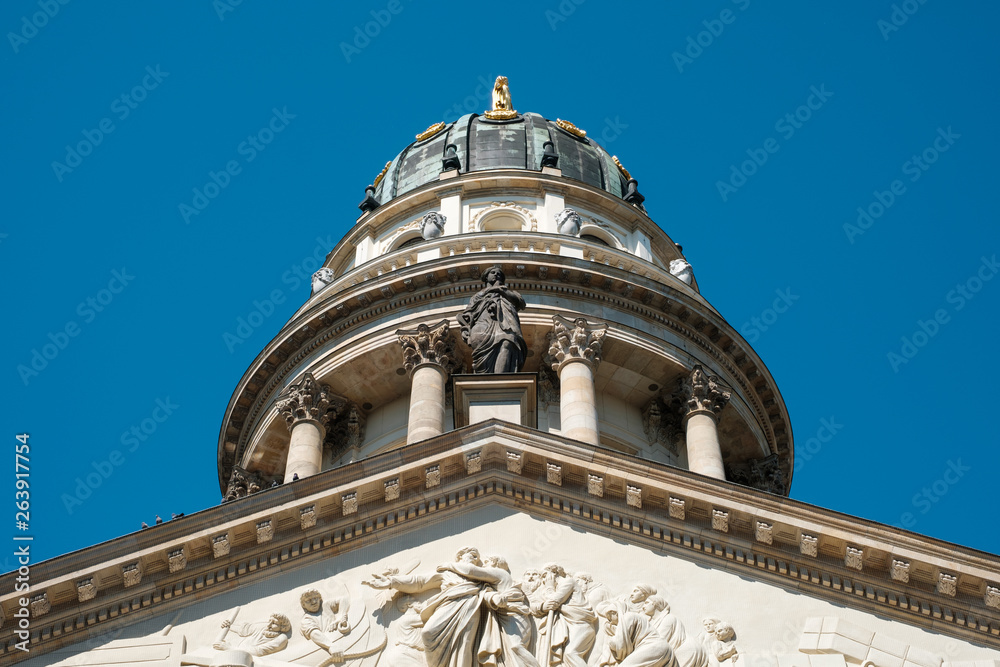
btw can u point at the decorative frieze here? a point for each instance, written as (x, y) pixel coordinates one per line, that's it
(265, 531)
(392, 490)
(577, 340)
(899, 570)
(40, 605)
(676, 508)
(854, 558)
(633, 496)
(515, 461)
(432, 476)
(553, 473)
(433, 344)
(86, 589)
(947, 584)
(176, 560)
(132, 574)
(306, 400)
(703, 393)
(720, 520)
(595, 485)
(349, 503)
(220, 545)
(764, 533)
(809, 545)
(307, 517)
(473, 463)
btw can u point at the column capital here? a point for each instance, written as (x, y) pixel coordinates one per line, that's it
(307, 400)
(702, 393)
(433, 344)
(576, 340)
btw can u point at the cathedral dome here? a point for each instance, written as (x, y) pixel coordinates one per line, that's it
(523, 141)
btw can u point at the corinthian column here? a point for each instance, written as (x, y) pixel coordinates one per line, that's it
(703, 399)
(304, 407)
(428, 356)
(575, 352)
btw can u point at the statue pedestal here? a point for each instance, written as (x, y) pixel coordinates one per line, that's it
(510, 397)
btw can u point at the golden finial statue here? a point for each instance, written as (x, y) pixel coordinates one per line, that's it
(503, 108)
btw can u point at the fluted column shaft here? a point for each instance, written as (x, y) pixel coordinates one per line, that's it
(429, 356)
(574, 353)
(704, 397)
(305, 408)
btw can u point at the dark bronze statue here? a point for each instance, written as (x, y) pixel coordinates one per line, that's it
(491, 327)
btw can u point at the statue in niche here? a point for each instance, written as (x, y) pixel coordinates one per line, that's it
(631, 640)
(491, 327)
(257, 639)
(567, 625)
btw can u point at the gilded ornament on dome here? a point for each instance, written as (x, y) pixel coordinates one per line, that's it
(378, 179)
(430, 131)
(571, 128)
(503, 107)
(624, 171)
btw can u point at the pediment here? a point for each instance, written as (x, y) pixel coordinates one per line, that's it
(709, 548)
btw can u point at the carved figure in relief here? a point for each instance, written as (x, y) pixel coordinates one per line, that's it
(719, 640)
(257, 638)
(637, 597)
(689, 651)
(451, 616)
(632, 641)
(324, 626)
(596, 592)
(491, 327)
(567, 626)
(506, 633)
(408, 648)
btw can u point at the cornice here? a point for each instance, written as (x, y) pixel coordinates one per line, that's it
(668, 510)
(651, 296)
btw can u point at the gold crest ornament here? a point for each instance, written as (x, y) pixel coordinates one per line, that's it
(503, 108)
(571, 128)
(378, 179)
(430, 131)
(625, 173)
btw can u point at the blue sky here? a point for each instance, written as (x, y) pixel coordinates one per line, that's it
(756, 131)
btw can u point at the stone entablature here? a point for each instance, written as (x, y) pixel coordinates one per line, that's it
(656, 302)
(569, 499)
